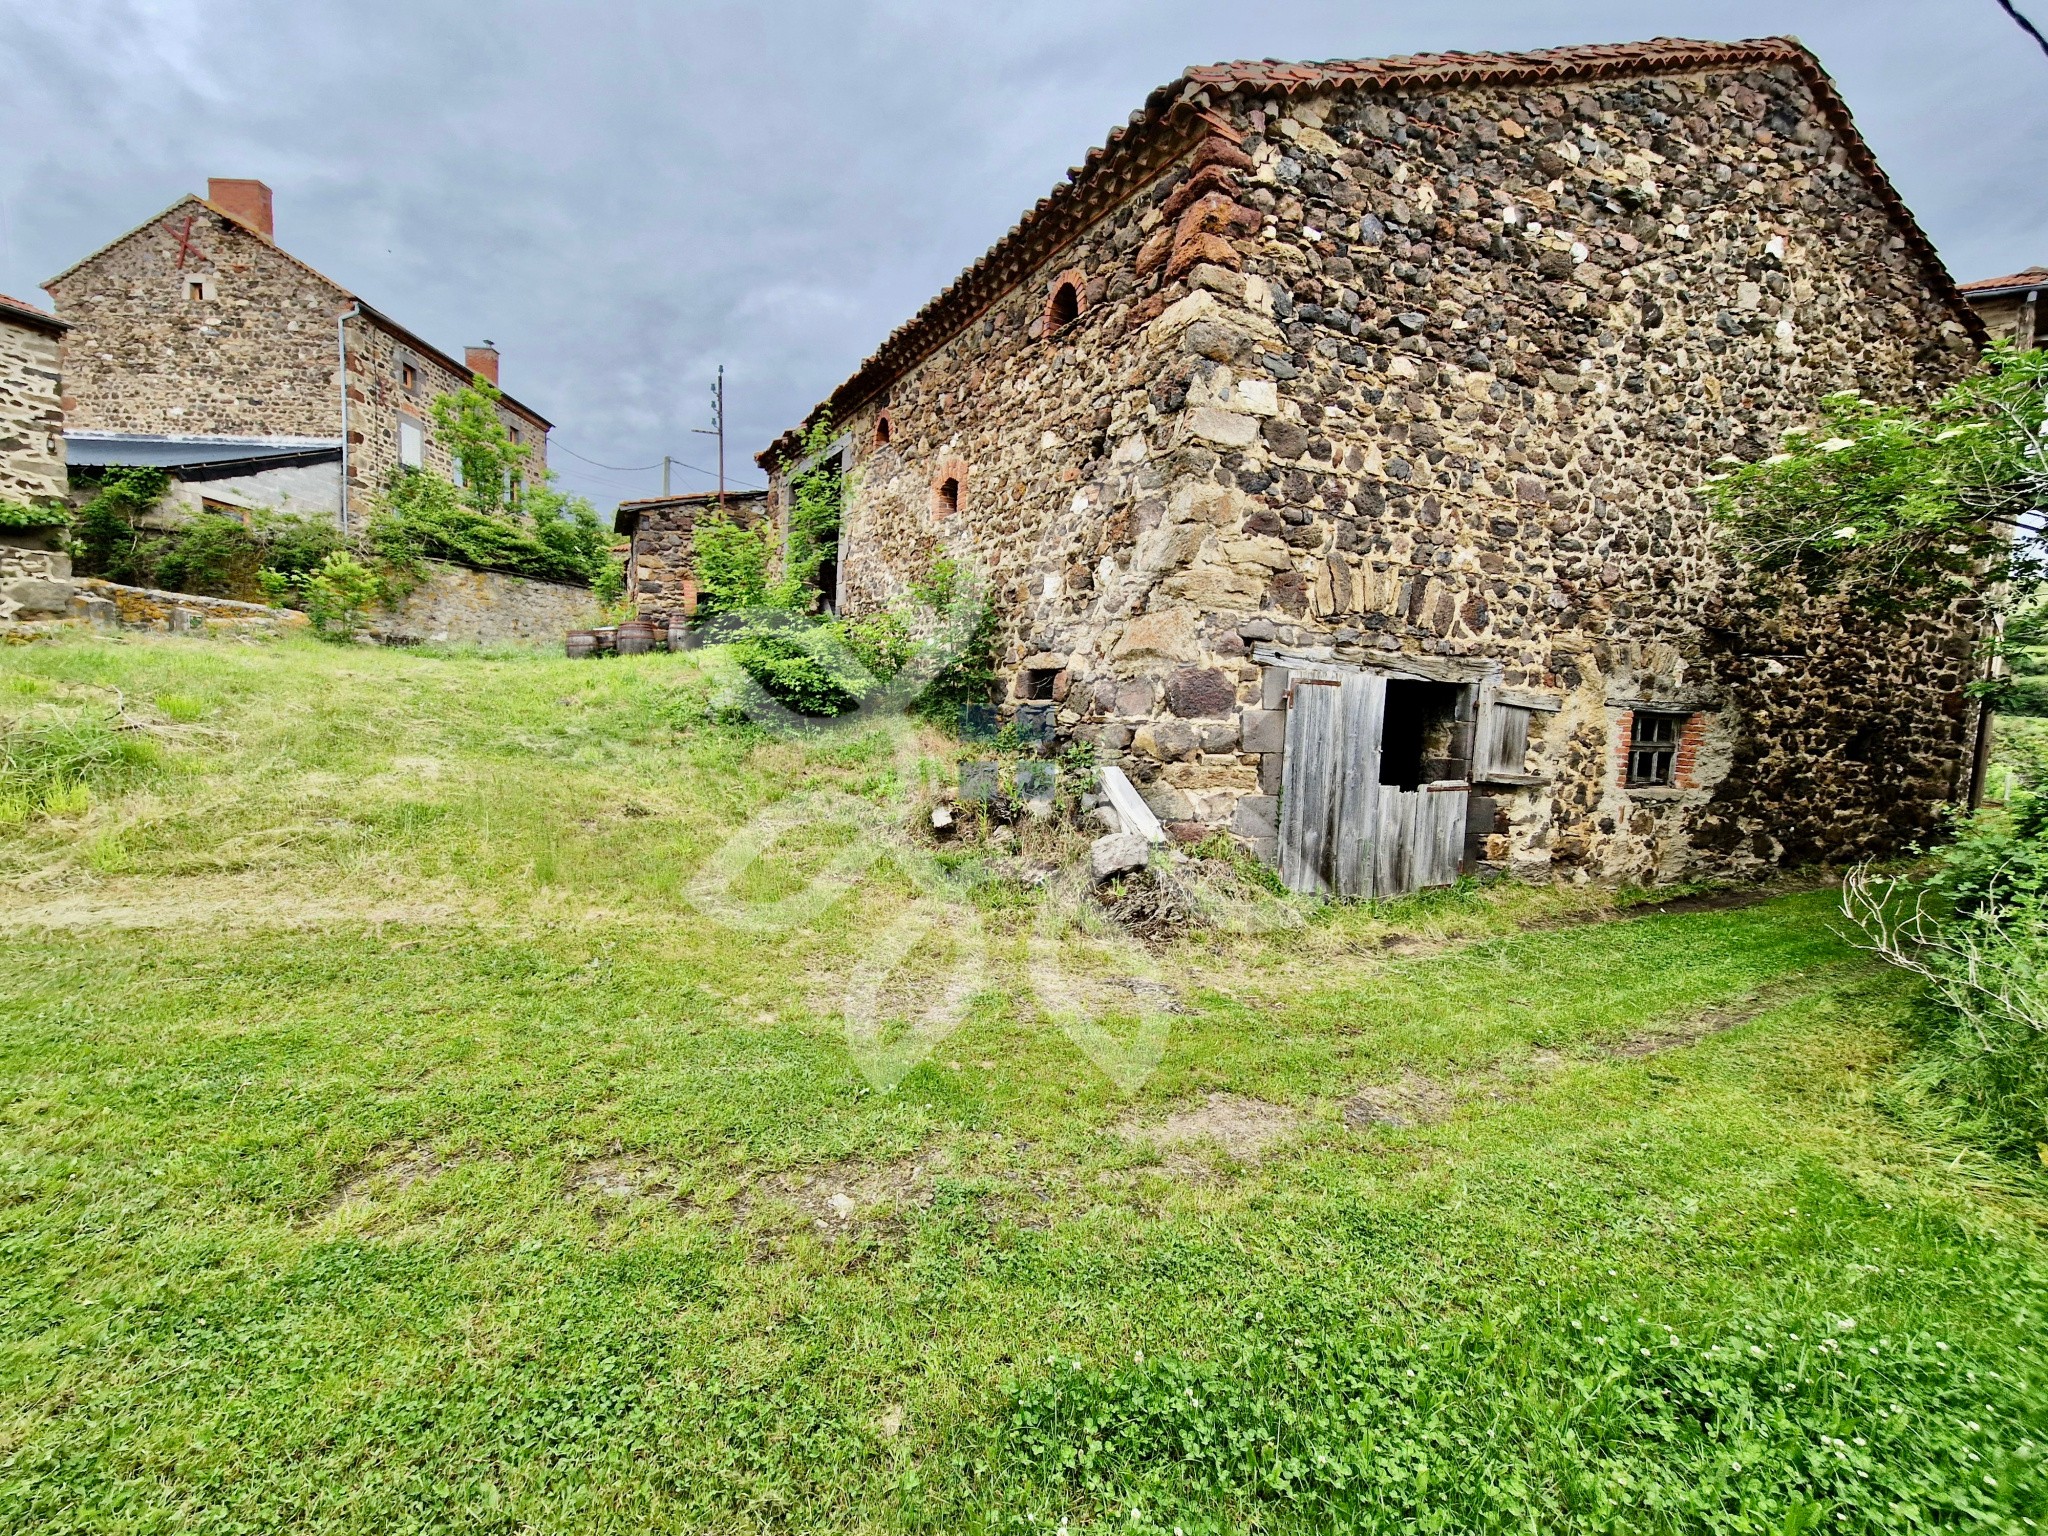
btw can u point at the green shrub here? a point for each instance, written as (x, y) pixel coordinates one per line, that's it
(24, 517)
(421, 516)
(808, 668)
(212, 555)
(969, 675)
(1977, 933)
(340, 593)
(732, 564)
(2019, 753)
(107, 542)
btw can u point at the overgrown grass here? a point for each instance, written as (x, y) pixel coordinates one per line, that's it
(54, 755)
(388, 1143)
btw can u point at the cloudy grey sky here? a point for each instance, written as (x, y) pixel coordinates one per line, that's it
(625, 193)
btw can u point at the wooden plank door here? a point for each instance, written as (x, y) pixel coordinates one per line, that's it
(1330, 782)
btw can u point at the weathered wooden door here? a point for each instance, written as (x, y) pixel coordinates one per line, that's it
(1343, 832)
(1330, 781)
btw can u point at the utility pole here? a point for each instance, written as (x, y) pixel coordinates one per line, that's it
(664, 474)
(717, 429)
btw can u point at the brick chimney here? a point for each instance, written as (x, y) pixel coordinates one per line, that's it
(483, 360)
(248, 201)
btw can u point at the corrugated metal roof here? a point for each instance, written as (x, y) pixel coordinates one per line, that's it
(108, 450)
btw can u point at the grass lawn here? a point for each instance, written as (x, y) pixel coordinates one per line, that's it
(396, 1138)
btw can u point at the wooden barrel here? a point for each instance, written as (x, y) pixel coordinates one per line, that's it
(607, 640)
(580, 643)
(681, 637)
(636, 637)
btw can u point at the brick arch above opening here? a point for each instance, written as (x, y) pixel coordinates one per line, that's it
(1066, 299)
(949, 489)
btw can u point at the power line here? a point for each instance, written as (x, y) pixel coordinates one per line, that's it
(638, 469)
(624, 469)
(2027, 26)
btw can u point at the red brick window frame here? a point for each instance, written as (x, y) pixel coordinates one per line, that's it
(1659, 748)
(949, 489)
(1066, 300)
(885, 430)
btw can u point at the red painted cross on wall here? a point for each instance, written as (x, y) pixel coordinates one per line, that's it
(184, 238)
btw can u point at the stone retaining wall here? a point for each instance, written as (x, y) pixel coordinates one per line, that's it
(457, 604)
(180, 613)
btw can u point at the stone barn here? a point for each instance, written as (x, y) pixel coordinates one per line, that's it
(661, 554)
(1331, 442)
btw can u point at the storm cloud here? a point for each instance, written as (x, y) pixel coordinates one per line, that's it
(625, 195)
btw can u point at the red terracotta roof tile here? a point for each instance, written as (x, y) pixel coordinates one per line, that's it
(2032, 277)
(31, 315)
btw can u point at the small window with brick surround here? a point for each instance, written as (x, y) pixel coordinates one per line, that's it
(881, 431)
(1654, 737)
(949, 497)
(1065, 308)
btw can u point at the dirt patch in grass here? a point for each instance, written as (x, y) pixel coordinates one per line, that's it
(1244, 1129)
(1412, 1101)
(396, 1169)
(251, 911)
(838, 1199)
(620, 1178)
(1415, 1100)
(1690, 1031)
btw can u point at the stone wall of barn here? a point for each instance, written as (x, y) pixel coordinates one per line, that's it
(31, 418)
(661, 565)
(1439, 378)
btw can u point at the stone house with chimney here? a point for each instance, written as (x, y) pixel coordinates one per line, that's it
(661, 565)
(1331, 444)
(200, 345)
(31, 404)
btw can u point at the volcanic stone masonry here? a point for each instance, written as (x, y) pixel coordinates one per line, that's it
(198, 323)
(661, 567)
(1427, 361)
(31, 414)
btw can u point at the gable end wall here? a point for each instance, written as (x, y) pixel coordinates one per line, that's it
(1450, 396)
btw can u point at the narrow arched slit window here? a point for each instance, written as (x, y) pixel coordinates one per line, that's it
(882, 432)
(949, 496)
(1066, 305)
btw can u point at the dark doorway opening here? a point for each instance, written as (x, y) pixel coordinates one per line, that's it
(1420, 738)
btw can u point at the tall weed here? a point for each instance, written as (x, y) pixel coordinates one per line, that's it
(51, 761)
(1977, 933)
